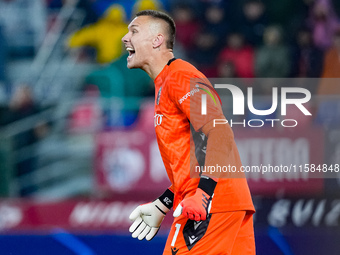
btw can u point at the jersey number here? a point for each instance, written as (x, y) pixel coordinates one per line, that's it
(178, 227)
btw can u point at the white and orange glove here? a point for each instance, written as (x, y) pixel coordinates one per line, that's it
(198, 206)
(147, 218)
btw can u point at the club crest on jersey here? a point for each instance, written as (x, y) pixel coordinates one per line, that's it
(158, 95)
(157, 119)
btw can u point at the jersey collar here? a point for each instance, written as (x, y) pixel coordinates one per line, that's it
(170, 61)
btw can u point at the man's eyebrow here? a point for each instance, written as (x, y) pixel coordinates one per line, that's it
(132, 26)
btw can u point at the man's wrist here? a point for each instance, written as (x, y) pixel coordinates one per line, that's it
(167, 199)
(207, 184)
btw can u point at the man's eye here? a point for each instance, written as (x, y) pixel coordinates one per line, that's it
(134, 31)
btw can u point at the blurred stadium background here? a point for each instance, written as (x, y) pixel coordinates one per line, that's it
(77, 145)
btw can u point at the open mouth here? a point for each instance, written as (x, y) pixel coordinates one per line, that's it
(131, 52)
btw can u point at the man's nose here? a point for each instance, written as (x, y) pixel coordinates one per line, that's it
(125, 38)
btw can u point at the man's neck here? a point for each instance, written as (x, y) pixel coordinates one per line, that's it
(157, 64)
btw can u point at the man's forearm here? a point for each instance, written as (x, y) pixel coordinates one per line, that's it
(219, 147)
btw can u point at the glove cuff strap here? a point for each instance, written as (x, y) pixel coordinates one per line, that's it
(207, 185)
(167, 198)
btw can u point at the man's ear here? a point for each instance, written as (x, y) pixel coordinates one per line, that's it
(158, 41)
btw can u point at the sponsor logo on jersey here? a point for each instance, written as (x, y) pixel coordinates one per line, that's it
(190, 93)
(157, 119)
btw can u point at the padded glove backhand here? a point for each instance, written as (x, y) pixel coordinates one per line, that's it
(196, 207)
(147, 219)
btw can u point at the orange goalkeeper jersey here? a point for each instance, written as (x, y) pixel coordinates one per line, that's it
(178, 120)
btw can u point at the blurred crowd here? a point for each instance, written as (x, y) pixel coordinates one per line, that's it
(263, 39)
(223, 38)
(236, 39)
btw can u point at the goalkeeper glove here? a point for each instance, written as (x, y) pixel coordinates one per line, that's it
(147, 218)
(198, 206)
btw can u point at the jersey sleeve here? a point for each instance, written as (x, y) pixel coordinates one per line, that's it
(196, 97)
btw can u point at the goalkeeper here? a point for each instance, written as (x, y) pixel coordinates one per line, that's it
(213, 213)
